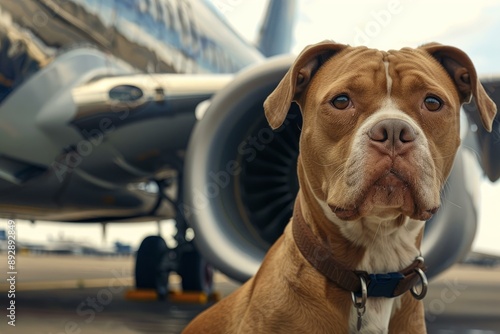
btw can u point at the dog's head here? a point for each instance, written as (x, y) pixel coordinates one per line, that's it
(380, 129)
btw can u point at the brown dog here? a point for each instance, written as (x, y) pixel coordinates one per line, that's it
(380, 132)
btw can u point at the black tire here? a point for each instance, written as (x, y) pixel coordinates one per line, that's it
(196, 273)
(148, 265)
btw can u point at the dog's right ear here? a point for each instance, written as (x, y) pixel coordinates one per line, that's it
(297, 78)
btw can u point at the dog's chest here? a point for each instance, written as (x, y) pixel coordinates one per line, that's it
(386, 251)
(376, 317)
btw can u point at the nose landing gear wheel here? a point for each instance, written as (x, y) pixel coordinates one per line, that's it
(155, 261)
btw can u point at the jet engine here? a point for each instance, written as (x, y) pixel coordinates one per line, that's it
(241, 181)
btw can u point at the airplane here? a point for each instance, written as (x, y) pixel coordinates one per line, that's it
(138, 111)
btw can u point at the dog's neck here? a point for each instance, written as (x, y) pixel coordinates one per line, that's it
(371, 245)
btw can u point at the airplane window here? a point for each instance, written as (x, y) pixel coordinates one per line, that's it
(175, 25)
(184, 25)
(159, 9)
(168, 13)
(142, 5)
(153, 10)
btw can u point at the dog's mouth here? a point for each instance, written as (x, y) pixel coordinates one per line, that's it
(345, 214)
(390, 194)
(354, 214)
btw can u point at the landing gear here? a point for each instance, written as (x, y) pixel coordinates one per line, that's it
(150, 271)
(196, 273)
(155, 260)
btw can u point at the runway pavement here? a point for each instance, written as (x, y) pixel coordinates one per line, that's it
(72, 294)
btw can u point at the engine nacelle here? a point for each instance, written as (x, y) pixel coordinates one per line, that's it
(241, 181)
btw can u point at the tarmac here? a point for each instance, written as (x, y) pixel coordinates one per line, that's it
(81, 294)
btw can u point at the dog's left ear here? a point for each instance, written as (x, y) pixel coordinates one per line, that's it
(297, 78)
(462, 71)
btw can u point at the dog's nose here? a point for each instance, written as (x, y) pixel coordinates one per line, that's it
(392, 133)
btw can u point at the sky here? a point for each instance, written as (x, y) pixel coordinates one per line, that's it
(385, 24)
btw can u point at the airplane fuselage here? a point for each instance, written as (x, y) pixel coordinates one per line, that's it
(97, 102)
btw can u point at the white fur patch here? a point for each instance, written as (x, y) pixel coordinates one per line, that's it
(390, 251)
(388, 77)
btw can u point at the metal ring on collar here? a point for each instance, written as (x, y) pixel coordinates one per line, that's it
(364, 295)
(424, 284)
(420, 258)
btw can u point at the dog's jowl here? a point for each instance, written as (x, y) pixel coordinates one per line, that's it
(379, 136)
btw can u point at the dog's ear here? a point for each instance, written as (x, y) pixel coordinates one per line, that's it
(297, 78)
(462, 71)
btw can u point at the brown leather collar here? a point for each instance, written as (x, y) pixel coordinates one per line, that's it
(320, 257)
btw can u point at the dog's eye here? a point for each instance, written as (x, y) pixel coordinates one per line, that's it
(432, 103)
(341, 102)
